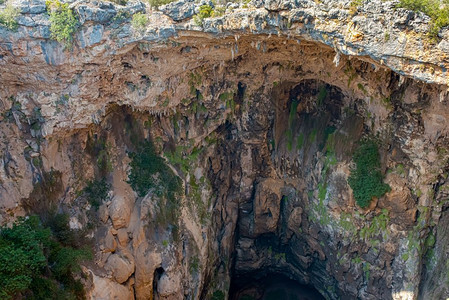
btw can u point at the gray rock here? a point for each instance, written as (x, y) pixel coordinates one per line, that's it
(95, 14)
(32, 6)
(25, 21)
(277, 5)
(179, 10)
(91, 35)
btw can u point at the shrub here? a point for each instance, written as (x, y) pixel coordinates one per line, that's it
(149, 171)
(436, 10)
(96, 192)
(218, 295)
(120, 2)
(139, 21)
(354, 6)
(366, 179)
(8, 17)
(157, 3)
(35, 264)
(63, 22)
(205, 12)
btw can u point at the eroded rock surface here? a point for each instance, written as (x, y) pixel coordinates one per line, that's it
(258, 112)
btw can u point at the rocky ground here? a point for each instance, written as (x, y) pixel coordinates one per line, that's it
(258, 112)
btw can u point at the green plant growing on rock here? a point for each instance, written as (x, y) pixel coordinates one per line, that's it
(8, 17)
(366, 179)
(157, 3)
(437, 10)
(377, 226)
(218, 295)
(63, 21)
(139, 21)
(354, 6)
(322, 95)
(194, 265)
(206, 11)
(96, 192)
(149, 171)
(291, 122)
(35, 263)
(120, 2)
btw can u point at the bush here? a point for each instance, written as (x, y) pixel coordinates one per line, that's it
(366, 179)
(63, 22)
(205, 12)
(8, 17)
(96, 192)
(139, 21)
(157, 3)
(437, 11)
(218, 295)
(120, 2)
(149, 172)
(34, 264)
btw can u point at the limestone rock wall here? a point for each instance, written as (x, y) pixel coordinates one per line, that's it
(261, 191)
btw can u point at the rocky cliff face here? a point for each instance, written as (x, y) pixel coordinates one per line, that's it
(258, 112)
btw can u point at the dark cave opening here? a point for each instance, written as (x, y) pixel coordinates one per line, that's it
(157, 276)
(270, 286)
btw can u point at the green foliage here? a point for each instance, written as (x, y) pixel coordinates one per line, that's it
(322, 95)
(378, 226)
(139, 21)
(183, 158)
(98, 148)
(45, 193)
(8, 17)
(149, 171)
(35, 263)
(206, 11)
(354, 6)
(157, 3)
(218, 295)
(300, 141)
(362, 88)
(437, 10)
(291, 122)
(96, 192)
(312, 136)
(366, 179)
(63, 22)
(194, 265)
(21, 256)
(120, 2)
(121, 16)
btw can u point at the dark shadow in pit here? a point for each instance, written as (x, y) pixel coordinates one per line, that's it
(271, 287)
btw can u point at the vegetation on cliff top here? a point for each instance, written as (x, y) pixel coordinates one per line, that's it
(38, 262)
(63, 22)
(437, 10)
(8, 17)
(366, 178)
(207, 11)
(139, 21)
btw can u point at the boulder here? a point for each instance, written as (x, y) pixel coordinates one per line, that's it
(179, 10)
(120, 266)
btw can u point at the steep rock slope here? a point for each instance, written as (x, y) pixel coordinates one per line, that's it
(258, 112)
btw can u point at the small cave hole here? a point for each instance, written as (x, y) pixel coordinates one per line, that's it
(157, 276)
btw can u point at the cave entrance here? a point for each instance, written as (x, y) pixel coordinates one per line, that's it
(273, 286)
(157, 276)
